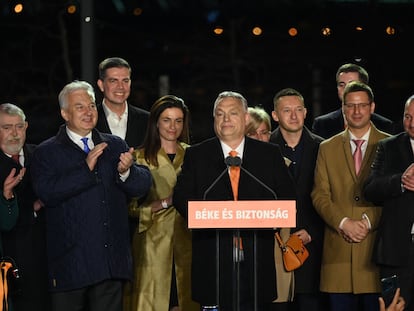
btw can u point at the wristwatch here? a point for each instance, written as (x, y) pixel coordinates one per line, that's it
(164, 204)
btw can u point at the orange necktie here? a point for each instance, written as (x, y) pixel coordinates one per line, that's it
(234, 176)
(238, 253)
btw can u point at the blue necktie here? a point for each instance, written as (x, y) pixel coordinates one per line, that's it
(85, 144)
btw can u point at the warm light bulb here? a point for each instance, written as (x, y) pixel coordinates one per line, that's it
(218, 30)
(292, 31)
(326, 31)
(71, 9)
(390, 30)
(18, 8)
(257, 31)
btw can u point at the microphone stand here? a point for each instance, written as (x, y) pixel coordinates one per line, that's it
(217, 238)
(236, 161)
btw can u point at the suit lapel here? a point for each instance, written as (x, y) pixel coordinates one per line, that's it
(406, 151)
(348, 153)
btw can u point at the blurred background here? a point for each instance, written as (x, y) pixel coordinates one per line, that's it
(197, 48)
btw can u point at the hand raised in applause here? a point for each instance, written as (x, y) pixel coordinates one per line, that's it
(12, 181)
(407, 178)
(125, 161)
(94, 154)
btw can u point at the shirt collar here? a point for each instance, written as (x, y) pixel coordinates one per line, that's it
(365, 137)
(226, 149)
(109, 112)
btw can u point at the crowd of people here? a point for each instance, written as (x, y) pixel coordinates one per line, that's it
(95, 218)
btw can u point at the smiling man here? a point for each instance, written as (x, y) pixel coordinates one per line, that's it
(343, 164)
(85, 178)
(116, 116)
(25, 242)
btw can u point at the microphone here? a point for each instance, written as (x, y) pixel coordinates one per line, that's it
(233, 161)
(237, 161)
(217, 179)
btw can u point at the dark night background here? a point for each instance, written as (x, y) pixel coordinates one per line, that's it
(41, 51)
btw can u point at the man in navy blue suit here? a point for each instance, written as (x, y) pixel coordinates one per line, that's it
(203, 164)
(85, 179)
(334, 122)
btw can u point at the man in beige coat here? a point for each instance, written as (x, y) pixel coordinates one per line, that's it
(348, 274)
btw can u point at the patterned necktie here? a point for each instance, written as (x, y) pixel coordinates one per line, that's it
(85, 144)
(234, 176)
(16, 158)
(358, 154)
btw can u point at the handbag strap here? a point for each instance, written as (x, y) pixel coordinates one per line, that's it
(279, 240)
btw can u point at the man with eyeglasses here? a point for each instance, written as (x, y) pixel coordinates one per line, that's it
(332, 123)
(348, 274)
(299, 147)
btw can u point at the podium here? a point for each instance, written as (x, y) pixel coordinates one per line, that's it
(246, 215)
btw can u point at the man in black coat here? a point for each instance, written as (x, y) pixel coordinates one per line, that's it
(26, 242)
(332, 123)
(115, 115)
(300, 148)
(203, 164)
(391, 184)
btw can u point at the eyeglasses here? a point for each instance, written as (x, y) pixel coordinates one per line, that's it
(258, 133)
(359, 106)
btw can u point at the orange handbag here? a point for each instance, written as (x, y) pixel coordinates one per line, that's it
(293, 251)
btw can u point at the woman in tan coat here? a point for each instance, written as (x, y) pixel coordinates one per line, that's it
(162, 243)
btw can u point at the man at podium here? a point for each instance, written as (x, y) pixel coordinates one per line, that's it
(233, 269)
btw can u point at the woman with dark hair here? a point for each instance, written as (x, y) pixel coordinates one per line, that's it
(162, 242)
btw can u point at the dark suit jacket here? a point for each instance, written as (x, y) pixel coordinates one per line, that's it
(203, 163)
(9, 212)
(87, 214)
(383, 187)
(307, 276)
(136, 124)
(26, 242)
(332, 123)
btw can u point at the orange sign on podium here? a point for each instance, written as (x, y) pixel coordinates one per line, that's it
(242, 214)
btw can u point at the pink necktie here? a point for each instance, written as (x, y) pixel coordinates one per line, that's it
(234, 176)
(358, 154)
